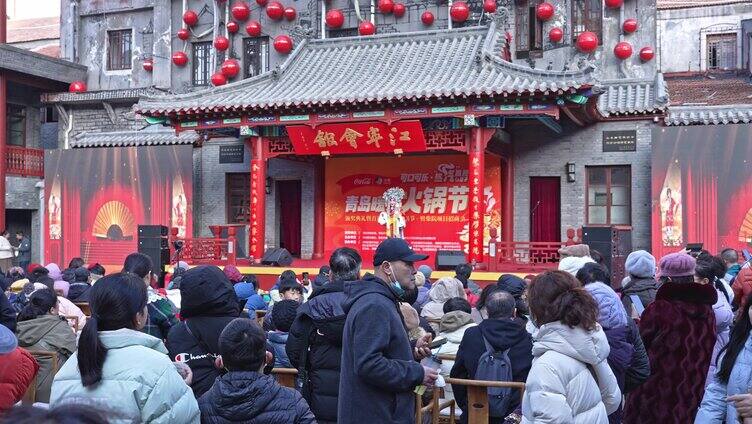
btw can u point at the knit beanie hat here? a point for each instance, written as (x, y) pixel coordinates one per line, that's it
(81, 275)
(641, 264)
(62, 286)
(283, 314)
(425, 270)
(572, 264)
(233, 274)
(677, 265)
(244, 290)
(577, 250)
(8, 340)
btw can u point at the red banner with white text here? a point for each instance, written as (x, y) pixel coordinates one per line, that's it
(357, 138)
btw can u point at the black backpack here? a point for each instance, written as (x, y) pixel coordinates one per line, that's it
(495, 366)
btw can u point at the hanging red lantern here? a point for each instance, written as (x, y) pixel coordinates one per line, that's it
(221, 43)
(233, 27)
(290, 13)
(230, 68)
(544, 11)
(275, 10)
(148, 65)
(180, 58)
(556, 34)
(489, 6)
(261, 3)
(184, 34)
(77, 87)
(623, 50)
(253, 28)
(459, 11)
(587, 42)
(283, 44)
(427, 18)
(366, 28)
(630, 26)
(647, 54)
(190, 18)
(399, 10)
(386, 6)
(335, 18)
(218, 79)
(613, 4)
(240, 11)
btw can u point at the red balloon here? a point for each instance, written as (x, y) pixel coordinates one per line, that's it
(544, 11)
(290, 13)
(399, 10)
(335, 18)
(427, 18)
(283, 44)
(240, 11)
(459, 11)
(556, 35)
(184, 34)
(587, 42)
(275, 10)
(261, 2)
(647, 54)
(386, 6)
(233, 27)
(630, 26)
(190, 18)
(253, 28)
(148, 65)
(218, 79)
(221, 43)
(489, 6)
(230, 68)
(180, 58)
(366, 28)
(623, 50)
(77, 87)
(613, 4)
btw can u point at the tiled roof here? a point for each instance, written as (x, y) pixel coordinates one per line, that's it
(146, 137)
(709, 115)
(713, 89)
(127, 94)
(632, 96)
(25, 30)
(358, 70)
(30, 63)
(681, 4)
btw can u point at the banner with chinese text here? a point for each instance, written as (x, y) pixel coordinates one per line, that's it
(435, 206)
(357, 138)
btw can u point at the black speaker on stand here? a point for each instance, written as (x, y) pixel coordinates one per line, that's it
(615, 244)
(152, 242)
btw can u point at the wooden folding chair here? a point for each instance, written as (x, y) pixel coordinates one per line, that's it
(477, 395)
(285, 376)
(85, 308)
(434, 408)
(447, 357)
(31, 393)
(260, 314)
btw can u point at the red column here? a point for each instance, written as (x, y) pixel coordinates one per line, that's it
(319, 210)
(3, 117)
(258, 199)
(475, 204)
(507, 199)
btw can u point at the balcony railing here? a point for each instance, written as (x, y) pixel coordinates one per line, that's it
(25, 162)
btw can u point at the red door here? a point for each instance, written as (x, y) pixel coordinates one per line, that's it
(545, 209)
(289, 193)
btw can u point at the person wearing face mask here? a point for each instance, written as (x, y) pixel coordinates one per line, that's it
(379, 369)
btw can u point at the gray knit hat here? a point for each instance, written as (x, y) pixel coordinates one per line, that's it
(640, 264)
(8, 341)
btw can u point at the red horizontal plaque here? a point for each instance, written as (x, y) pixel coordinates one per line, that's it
(357, 138)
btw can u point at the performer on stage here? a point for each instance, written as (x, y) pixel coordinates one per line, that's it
(392, 216)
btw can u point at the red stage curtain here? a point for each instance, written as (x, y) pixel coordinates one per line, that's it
(701, 207)
(545, 209)
(289, 193)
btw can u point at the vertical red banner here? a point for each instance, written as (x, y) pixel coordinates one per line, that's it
(258, 199)
(475, 207)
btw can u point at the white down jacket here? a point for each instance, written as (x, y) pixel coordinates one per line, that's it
(570, 381)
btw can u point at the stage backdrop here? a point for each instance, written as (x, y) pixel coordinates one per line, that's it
(435, 205)
(702, 187)
(96, 198)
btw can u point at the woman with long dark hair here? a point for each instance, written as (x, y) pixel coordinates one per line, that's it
(119, 367)
(161, 310)
(707, 271)
(40, 328)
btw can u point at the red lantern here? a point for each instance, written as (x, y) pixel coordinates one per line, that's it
(190, 18)
(335, 18)
(221, 43)
(261, 3)
(148, 65)
(218, 79)
(613, 4)
(253, 28)
(184, 34)
(230, 68)
(283, 44)
(386, 6)
(647, 54)
(459, 11)
(366, 28)
(427, 18)
(587, 42)
(489, 6)
(240, 11)
(290, 13)
(275, 10)
(544, 11)
(630, 26)
(399, 10)
(623, 50)
(180, 58)
(556, 35)
(77, 87)
(233, 27)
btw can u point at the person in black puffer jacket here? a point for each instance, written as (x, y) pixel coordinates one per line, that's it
(317, 331)
(80, 288)
(208, 304)
(244, 394)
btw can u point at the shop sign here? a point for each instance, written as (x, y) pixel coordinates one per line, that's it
(232, 153)
(357, 138)
(620, 141)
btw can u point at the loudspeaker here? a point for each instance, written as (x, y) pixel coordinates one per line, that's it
(159, 257)
(446, 260)
(152, 231)
(153, 243)
(614, 243)
(277, 257)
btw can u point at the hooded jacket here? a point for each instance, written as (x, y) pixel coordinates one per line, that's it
(502, 334)
(208, 304)
(17, 371)
(515, 286)
(714, 407)
(49, 333)
(318, 330)
(278, 340)
(724, 317)
(79, 292)
(644, 288)
(441, 291)
(678, 331)
(253, 398)
(570, 380)
(452, 326)
(7, 313)
(54, 272)
(379, 372)
(139, 382)
(742, 286)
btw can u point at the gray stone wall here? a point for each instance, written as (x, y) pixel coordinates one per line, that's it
(540, 153)
(282, 169)
(212, 181)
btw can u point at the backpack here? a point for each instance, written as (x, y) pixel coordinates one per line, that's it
(495, 366)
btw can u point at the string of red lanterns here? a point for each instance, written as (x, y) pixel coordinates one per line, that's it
(240, 11)
(399, 10)
(459, 12)
(335, 18)
(427, 18)
(366, 28)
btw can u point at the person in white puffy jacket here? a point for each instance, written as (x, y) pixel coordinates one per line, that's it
(570, 380)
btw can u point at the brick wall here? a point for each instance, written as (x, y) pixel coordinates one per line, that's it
(281, 169)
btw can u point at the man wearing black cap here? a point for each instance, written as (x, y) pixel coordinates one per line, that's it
(379, 369)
